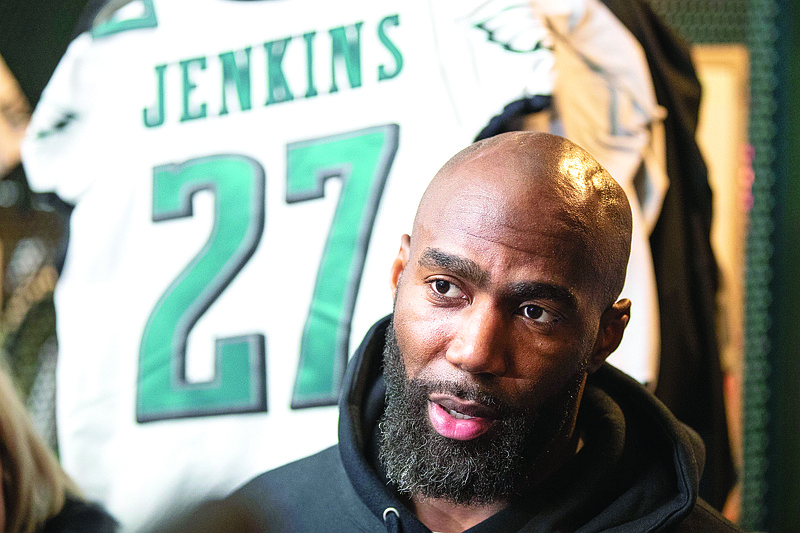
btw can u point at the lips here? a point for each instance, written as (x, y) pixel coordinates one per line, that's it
(459, 420)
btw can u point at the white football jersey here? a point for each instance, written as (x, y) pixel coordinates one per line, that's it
(241, 174)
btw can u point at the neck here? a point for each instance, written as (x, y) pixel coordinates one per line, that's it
(445, 517)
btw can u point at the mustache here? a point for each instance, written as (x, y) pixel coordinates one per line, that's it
(467, 391)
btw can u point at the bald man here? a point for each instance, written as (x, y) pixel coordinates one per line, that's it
(484, 403)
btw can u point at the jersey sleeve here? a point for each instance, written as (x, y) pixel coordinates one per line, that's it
(75, 116)
(53, 151)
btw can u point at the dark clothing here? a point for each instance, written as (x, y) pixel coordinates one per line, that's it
(638, 470)
(690, 375)
(80, 516)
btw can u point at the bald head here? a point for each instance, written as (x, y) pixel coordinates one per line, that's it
(535, 180)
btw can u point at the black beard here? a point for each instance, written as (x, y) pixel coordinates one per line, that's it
(496, 467)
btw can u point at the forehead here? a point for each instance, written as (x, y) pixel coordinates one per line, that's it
(513, 234)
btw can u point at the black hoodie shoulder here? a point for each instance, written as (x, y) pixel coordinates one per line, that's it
(638, 470)
(312, 494)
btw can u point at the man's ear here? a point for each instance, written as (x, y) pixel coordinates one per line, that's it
(400, 263)
(612, 326)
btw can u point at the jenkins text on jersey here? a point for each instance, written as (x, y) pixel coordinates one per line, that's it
(294, 67)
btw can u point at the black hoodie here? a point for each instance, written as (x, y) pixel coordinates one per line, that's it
(638, 470)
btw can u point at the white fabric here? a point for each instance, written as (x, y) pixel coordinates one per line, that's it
(104, 158)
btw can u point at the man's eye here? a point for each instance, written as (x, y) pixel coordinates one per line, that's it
(538, 314)
(445, 288)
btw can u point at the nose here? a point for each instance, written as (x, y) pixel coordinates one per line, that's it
(478, 344)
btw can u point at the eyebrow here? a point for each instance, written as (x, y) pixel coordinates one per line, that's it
(460, 266)
(471, 272)
(535, 290)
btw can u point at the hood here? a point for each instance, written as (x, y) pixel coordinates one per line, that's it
(638, 470)
(360, 407)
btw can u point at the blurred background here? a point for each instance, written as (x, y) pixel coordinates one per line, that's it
(747, 59)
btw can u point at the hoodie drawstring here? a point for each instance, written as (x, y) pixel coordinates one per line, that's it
(391, 519)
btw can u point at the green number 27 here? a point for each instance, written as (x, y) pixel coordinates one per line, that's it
(361, 160)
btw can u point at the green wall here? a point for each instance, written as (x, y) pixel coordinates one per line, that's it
(783, 427)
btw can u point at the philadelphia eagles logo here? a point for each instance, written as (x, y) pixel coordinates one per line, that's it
(513, 25)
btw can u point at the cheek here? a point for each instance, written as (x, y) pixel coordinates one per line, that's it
(542, 366)
(547, 390)
(421, 336)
